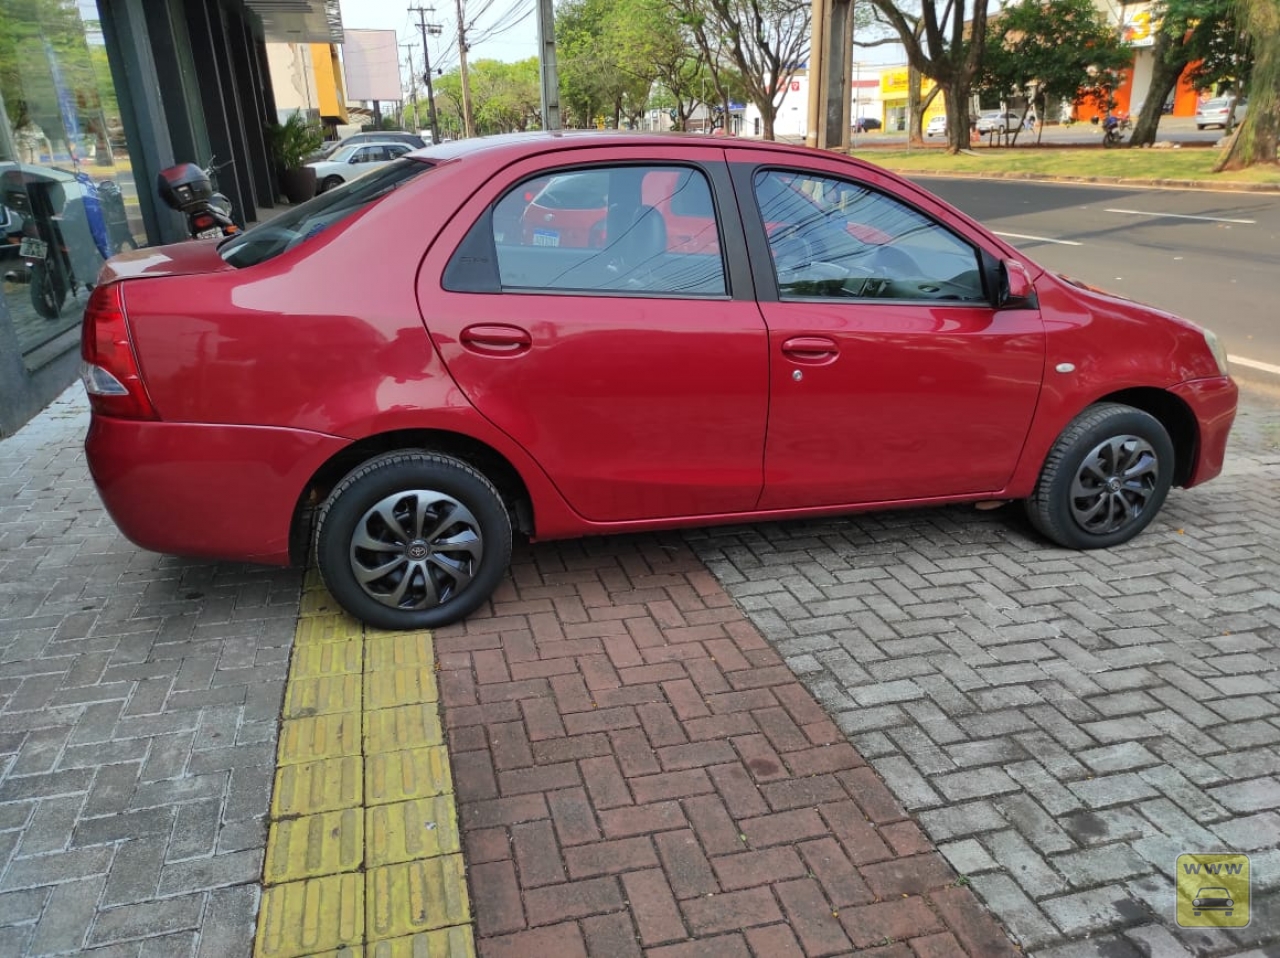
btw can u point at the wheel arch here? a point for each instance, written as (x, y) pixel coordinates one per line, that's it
(1176, 417)
(484, 458)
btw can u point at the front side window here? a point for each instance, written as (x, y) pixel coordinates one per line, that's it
(639, 229)
(836, 239)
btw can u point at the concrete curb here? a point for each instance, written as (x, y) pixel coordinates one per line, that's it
(1102, 180)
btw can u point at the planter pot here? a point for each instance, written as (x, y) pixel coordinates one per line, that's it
(298, 185)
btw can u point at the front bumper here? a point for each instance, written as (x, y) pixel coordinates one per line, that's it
(1213, 403)
(224, 492)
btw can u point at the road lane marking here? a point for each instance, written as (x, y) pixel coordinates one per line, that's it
(1037, 239)
(1184, 216)
(1254, 364)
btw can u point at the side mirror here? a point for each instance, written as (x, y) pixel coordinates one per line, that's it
(1016, 289)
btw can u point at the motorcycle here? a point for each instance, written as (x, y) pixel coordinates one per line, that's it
(65, 231)
(1113, 129)
(189, 189)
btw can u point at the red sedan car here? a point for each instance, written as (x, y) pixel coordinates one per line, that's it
(381, 379)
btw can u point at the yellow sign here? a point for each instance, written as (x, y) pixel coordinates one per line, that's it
(1213, 891)
(895, 83)
(1139, 26)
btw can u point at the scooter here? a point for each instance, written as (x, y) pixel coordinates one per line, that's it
(189, 189)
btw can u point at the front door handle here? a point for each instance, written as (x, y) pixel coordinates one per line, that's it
(496, 340)
(813, 350)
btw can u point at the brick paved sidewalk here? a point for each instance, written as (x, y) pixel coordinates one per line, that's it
(139, 697)
(638, 772)
(1064, 724)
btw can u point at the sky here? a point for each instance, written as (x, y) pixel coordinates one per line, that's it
(499, 29)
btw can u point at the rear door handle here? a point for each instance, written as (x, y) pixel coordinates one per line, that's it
(496, 340)
(814, 350)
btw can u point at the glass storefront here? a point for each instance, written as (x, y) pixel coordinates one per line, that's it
(68, 198)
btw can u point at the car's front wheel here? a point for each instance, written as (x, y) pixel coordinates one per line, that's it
(413, 540)
(1105, 478)
(330, 183)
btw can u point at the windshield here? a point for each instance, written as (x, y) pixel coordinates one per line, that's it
(343, 154)
(268, 240)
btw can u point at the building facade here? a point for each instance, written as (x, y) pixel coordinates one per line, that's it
(96, 97)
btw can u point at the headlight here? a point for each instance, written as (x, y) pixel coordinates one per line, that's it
(1215, 347)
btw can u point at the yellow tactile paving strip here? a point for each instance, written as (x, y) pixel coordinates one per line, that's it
(363, 857)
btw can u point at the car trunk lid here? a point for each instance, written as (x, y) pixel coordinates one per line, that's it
(178, 259)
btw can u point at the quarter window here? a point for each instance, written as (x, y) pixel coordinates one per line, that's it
(624, 229)
(835, 239)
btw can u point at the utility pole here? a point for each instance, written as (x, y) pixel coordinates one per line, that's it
(816, 71)
(434, 29)
(547, 61)
(413, 86)
(468, 123)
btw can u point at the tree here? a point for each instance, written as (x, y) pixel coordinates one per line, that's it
(612, 52)
(1064, 49)
(1185, 31)
(1255, 141)
(764, 40)
(648, 46)
(944, 51)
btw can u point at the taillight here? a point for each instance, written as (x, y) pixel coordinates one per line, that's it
(202, 221)
(108, 366)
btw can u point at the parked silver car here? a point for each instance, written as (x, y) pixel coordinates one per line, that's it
(1214, 112)
(993, 121)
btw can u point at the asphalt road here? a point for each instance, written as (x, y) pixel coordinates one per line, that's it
(1213, 257)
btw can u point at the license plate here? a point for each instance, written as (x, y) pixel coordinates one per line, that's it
(546, 238)
(33, 248)
(210, 233)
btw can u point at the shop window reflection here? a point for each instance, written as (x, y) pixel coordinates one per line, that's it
(68, 199)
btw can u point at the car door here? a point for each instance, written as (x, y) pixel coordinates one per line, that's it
(892, 376)
(634, 373)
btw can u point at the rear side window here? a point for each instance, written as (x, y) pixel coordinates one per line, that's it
(268, 240)
(633, 229)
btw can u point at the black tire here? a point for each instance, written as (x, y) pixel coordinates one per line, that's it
(432, 597)
(330, 182)
(47, 291)
(1137, 445)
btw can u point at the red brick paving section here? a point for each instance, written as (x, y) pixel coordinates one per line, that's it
(639, 774)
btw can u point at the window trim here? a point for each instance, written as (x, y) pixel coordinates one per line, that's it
(719, 207)
(744, 177)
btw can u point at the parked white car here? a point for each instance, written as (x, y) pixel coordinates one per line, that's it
(1214, 112)
(348, 162)
(937, 126)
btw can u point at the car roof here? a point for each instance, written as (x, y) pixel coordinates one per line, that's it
(513, 146)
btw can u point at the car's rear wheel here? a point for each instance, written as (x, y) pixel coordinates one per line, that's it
(413, 540)
(1105, 478)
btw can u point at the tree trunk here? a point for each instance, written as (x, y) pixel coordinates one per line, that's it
(1255, 141)
(957, 100)
(1168, 66)
(768, 113)
(915, 122)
